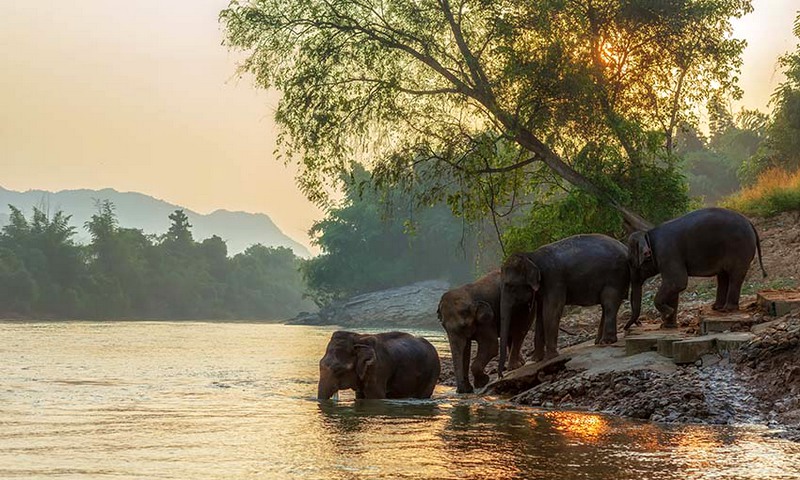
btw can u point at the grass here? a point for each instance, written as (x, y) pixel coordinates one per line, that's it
(775, 191)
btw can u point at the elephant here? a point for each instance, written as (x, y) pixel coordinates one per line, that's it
(472, 312)
(384, 365)
(579, 270)
(704, 243)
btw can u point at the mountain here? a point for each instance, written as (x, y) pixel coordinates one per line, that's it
(136, 210)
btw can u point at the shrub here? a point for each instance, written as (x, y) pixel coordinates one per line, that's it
(775, 191)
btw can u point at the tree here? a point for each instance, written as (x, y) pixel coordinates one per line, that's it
(781, 148)
(179, 232)
(402, 82)
(41, 254)
(712, 165)
(376, 239)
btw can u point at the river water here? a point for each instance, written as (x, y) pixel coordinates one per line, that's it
(195, 400)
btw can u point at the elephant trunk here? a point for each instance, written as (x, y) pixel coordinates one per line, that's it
(505, 327)
(327, 385)
(461, 350)
(636, 300)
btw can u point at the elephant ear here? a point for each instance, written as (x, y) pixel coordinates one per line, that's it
(639, 250)
(365, 356)
(532, 275)
(482, 312)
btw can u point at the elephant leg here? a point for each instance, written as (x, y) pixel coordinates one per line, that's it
(734, 290)
(487, 350)
(461, 349)
(600, 327)
(538, 333)
(518, 333)
(672, 284)
(607, 332)
(722, 290)
(552, 309)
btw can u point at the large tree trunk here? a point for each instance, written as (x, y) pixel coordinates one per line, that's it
(528, 141)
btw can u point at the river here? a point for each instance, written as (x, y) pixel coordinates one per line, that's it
(191, 400)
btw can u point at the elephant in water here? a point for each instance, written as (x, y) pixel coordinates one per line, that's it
(579, 270)
(385, 365)
(704, 243)
(472, 312)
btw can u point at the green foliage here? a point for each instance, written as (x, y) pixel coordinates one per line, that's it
(712, 166)
(376, 239)
(659, 191)
(397, 84)
(124, 273)
(782, 146)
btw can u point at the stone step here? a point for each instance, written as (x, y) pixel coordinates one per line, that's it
(729, 342)
(778, 303)
(664, 346)
(725, 322)
(693, 349)
(641, 343)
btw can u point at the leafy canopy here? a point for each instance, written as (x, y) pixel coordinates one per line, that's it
(484, 87)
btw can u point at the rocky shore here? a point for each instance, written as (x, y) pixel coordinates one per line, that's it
(758, 384)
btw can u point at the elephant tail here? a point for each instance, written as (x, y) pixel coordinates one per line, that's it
(758, 248)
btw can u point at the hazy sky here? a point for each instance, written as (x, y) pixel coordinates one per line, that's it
(141, 96)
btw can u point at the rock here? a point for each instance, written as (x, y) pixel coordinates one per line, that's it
(762, 327)
(778, 302)
(411, 306)
(692, 350)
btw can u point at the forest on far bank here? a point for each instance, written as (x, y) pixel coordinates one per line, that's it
(124, 273)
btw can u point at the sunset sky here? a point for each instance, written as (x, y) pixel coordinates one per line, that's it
(141, 96)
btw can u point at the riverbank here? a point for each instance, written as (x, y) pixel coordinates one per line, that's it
(758, 384)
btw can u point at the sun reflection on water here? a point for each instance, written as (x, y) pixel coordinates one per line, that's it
(586, 427)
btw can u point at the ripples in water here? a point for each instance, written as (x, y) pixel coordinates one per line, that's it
(216, 400)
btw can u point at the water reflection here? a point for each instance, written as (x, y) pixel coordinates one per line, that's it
(199, 400)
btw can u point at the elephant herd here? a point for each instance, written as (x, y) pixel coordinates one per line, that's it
(532, 289)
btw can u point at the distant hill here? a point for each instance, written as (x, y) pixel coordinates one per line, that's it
(136, 210)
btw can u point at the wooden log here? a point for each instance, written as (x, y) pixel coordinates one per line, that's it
(527, 376)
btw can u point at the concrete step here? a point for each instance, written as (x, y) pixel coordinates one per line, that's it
(641, 343)
(664, 346)
(778, 303)
(729, 342)
(717, 322)
(693, 349)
